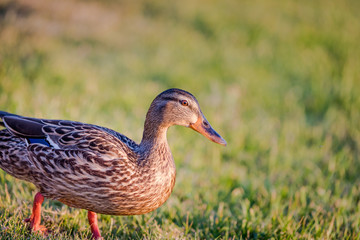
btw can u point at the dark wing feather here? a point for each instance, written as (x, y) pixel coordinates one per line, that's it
(2, 115)
(23, 127)
(70, 135)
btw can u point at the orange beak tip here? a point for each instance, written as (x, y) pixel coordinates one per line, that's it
(224, 143)
(220, 141)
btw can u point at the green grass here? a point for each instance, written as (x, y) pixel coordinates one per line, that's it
(279, 80)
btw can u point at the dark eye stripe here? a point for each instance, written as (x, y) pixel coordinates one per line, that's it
(170, 98)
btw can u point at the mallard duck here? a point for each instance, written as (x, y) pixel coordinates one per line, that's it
(95, 168)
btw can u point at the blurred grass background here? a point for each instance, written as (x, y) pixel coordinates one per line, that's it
(279, 80)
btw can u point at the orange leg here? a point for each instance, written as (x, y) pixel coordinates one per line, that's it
(94, 225)
(35, 217)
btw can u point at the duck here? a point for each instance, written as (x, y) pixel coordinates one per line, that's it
(96, 168)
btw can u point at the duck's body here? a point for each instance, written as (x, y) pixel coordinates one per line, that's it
(95, 168)
(90, 167)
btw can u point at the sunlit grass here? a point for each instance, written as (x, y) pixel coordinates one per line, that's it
(278, 79)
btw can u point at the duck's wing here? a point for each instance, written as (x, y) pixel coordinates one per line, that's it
(71, 161)
(69, 135)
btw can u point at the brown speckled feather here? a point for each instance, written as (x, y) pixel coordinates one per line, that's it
(87, 166)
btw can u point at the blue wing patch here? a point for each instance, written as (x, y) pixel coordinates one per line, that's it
(38, 140)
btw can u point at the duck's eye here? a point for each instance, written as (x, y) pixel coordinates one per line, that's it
(184, 102)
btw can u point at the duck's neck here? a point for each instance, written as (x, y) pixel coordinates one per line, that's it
(154, 134)
(154, 146)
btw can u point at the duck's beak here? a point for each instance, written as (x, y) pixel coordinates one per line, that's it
(203, 126)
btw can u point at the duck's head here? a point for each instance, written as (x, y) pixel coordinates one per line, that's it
(178, 107)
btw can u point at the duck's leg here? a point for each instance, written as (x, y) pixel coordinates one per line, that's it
(35, 217)
(94, 225)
